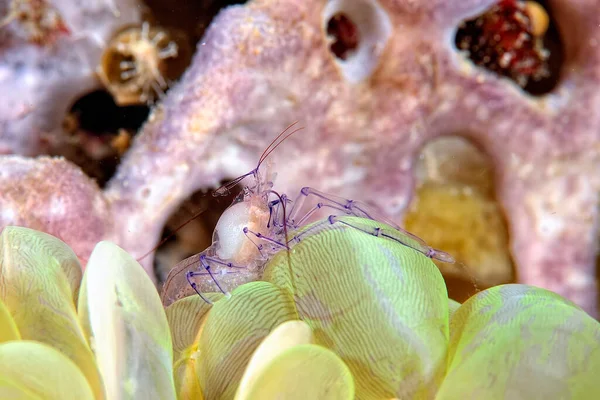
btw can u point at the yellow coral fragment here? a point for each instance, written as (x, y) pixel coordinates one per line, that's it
(304, 372)
(539, 18)
(466, 223)
(455, 209)
(284, 337)
(33, 370)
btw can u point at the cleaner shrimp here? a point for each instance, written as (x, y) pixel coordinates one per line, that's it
(257, 225)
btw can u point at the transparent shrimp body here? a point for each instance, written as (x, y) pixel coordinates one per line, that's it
(250, 216)
(246, 236)
(257, 225)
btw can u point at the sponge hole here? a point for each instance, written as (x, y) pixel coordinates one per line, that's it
(518, 40)
(357, 32)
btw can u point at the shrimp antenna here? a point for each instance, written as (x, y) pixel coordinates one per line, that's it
(274, 144)
(277, 145)
(223, 190)
(196, 215)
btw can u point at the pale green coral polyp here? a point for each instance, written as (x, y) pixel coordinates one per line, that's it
(380, 326)
(381, 306)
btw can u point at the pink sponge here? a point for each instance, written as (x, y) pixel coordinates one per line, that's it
(266, 64)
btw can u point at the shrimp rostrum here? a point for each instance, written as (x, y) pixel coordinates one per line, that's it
(262, 222)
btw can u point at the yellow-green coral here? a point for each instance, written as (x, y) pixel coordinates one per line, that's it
(352, 316)
(377, 296)
(123, 318)
(40, 278)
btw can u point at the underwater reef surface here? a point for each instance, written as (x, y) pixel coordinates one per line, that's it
(368, 113)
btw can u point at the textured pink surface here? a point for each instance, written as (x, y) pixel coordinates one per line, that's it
(33, 195)
(267, 64)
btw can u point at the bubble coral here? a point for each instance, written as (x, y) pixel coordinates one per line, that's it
(89, 336)
(375, 322)
(263, 65)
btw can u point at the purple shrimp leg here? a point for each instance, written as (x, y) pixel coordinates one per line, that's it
(247, 233)
(359, 209)
(276, 225)
(205, 264)
(348, 207)
(317, 207)
(259, 235)
(189, 275)
(276, 217)
(400, 237)
(275, 212)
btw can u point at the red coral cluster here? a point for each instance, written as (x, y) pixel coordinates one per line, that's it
(502, 40)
